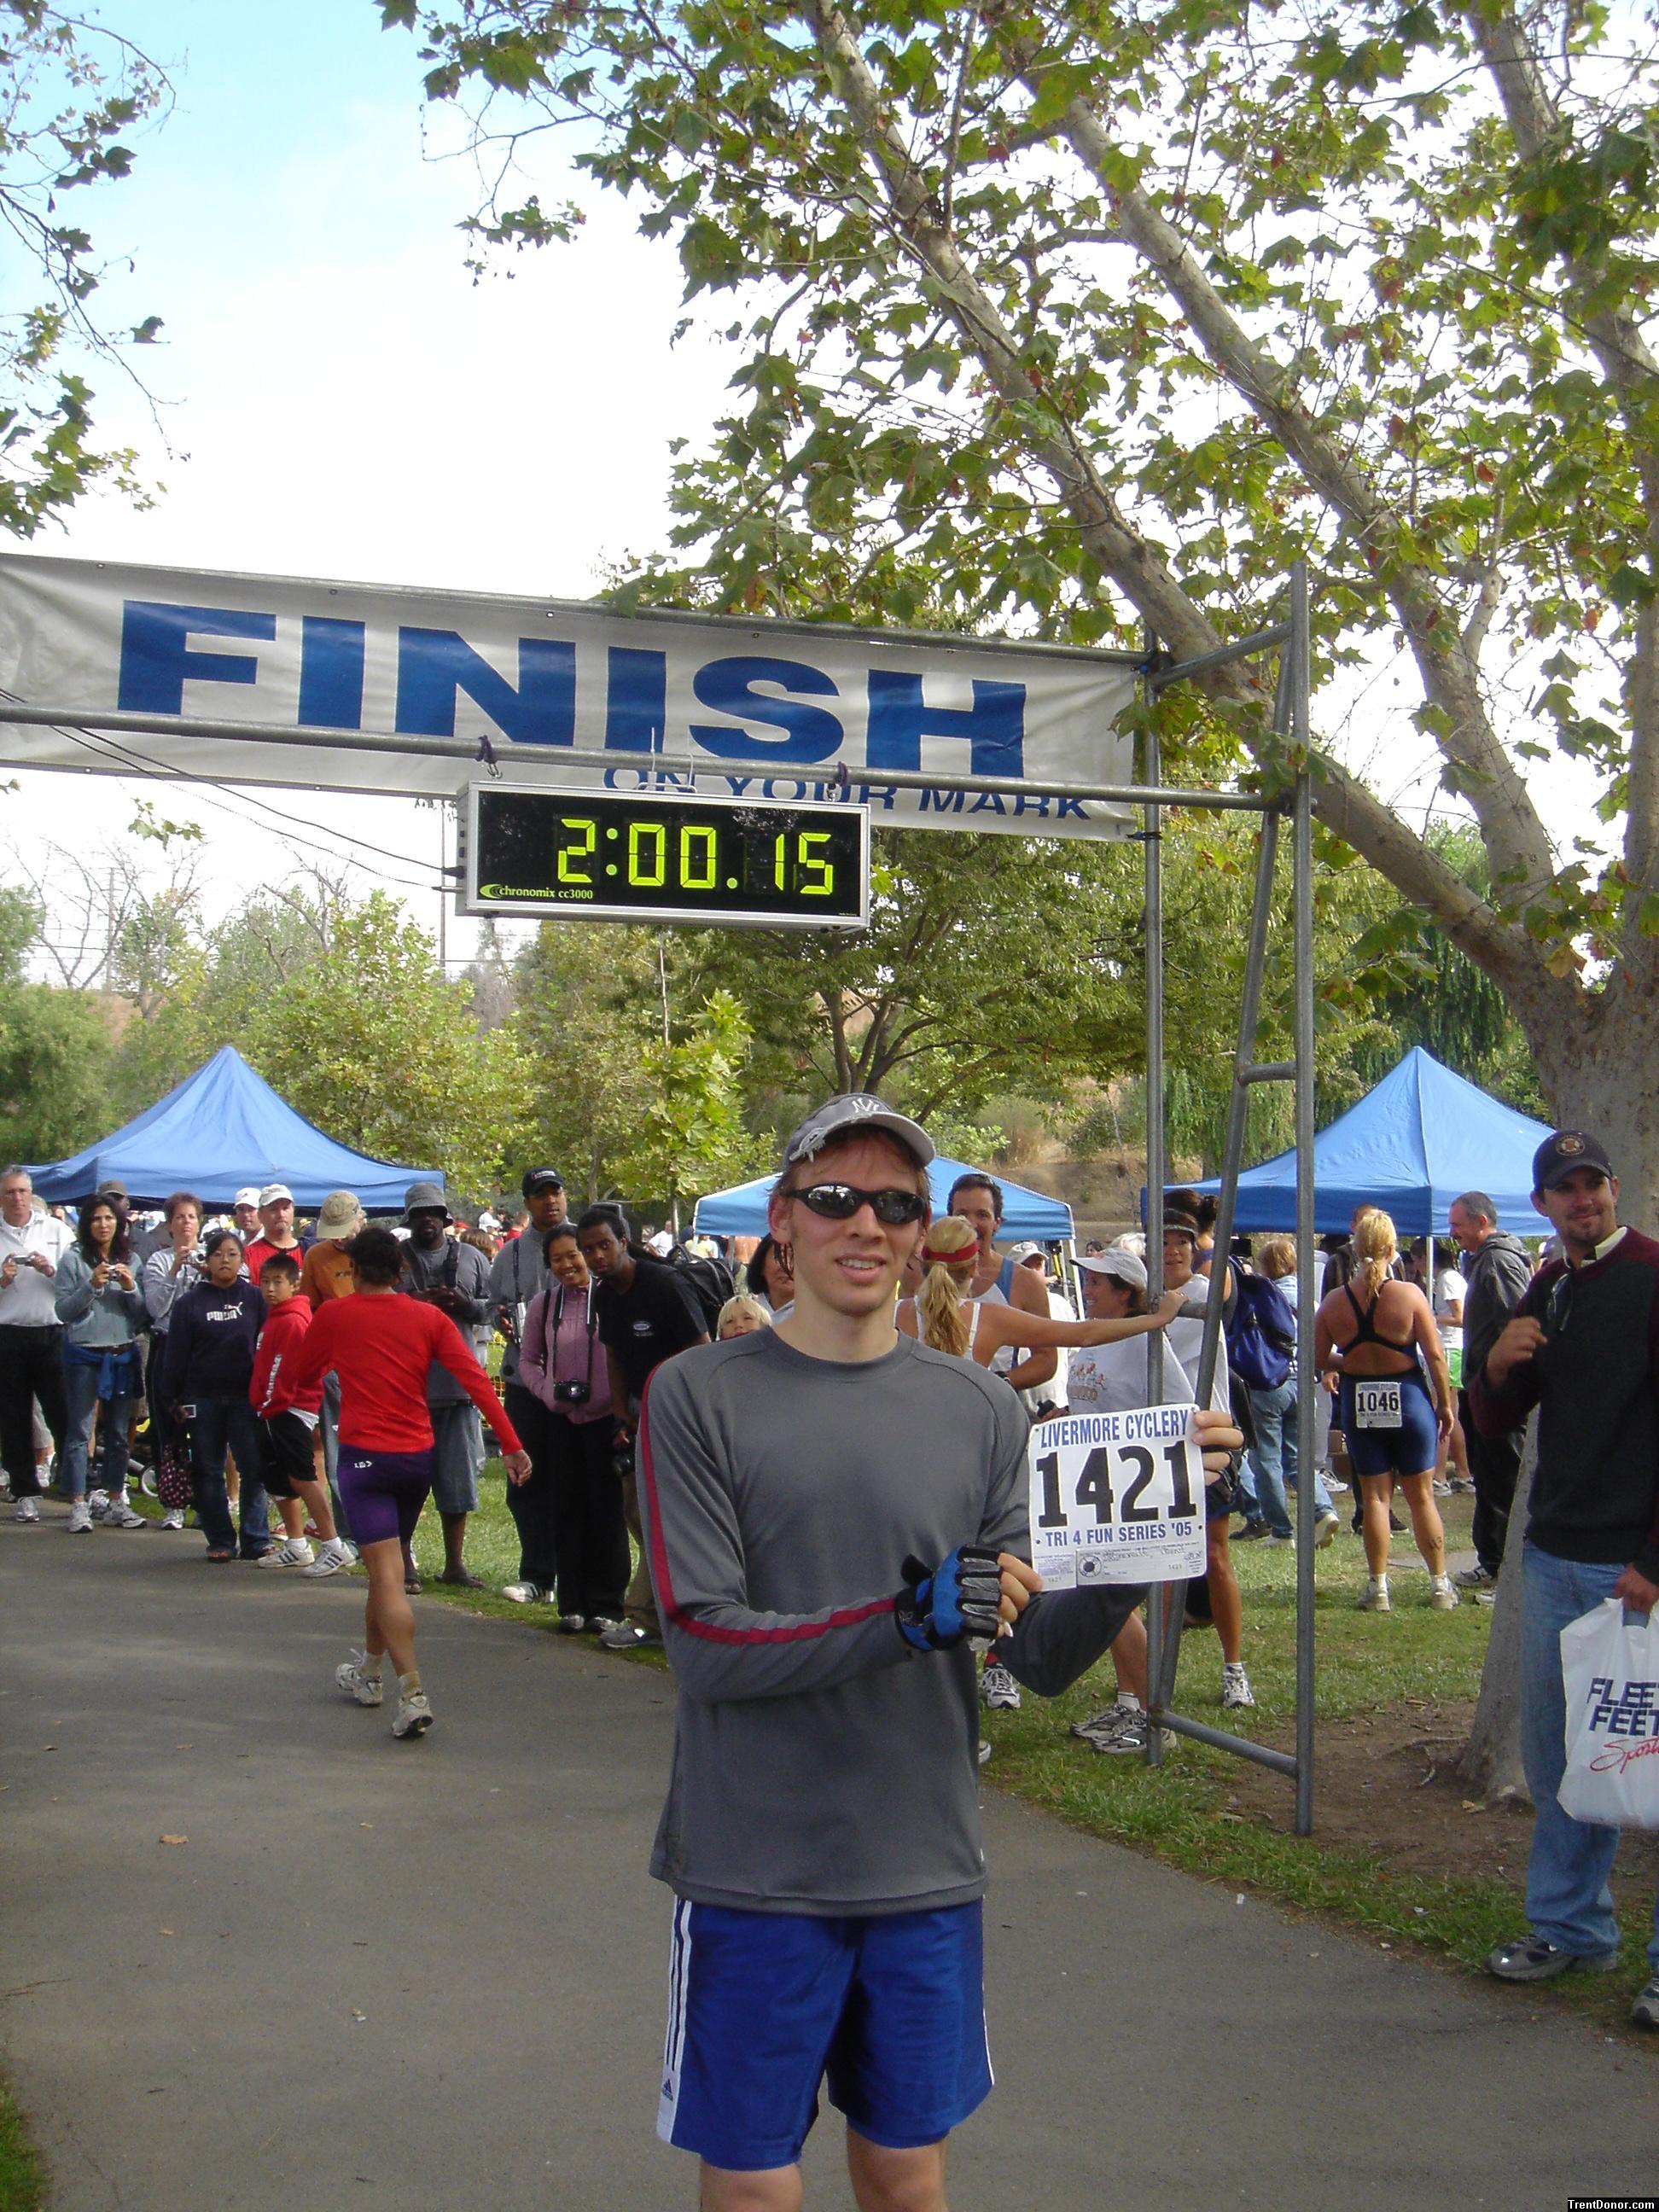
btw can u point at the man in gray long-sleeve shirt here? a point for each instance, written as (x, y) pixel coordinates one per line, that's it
(830, 1511)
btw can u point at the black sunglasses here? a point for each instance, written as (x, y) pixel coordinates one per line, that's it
(840, 1201)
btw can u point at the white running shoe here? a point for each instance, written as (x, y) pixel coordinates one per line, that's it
(97, 1504)
(26, 1510)
(330, 1559)
(173, 1517)
(998, 1689)
(1236, 1694)
(1442, 1596)
(80, 1520)
(414, 1714)
(1376, 1599)
(365, 1688)
(295, 1552)
(121, 1515)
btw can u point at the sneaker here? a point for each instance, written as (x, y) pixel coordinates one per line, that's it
(1251, 1532)
(1442, 1596)
(1531, 1958)
(365, 1688)
(414, 1714)
(984, 1751)
(173, 1517)
(1442, 1488)
(292, 1552)
(121, 1515)
(97, 1504)
(1324, 1529)
(80, 1520)
(1644, 2013)
(572, 1624)
(1475, 1578)
(1121, 1726)
(626, 1635)
(26, 1510)
(998, 1689)
(1376, 1599)
(330, 1559)
(526, 1593)
(1236, 1696)
(599, 1624)
(1462, 1486)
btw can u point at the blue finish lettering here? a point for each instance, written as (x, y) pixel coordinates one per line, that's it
(987, 802)
(636, 700)
(434, 665)
(938, 802)
(993, 726)
(156, 660)
(331, 673)
(1026, 804)
(726, 687)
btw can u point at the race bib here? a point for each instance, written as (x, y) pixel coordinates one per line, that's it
(1376, 1406)
(1116, 1497)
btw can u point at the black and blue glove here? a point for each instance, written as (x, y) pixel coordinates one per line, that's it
(960, 1597)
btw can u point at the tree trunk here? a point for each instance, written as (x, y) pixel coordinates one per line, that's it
(1492, 1758)
(1599, 1071)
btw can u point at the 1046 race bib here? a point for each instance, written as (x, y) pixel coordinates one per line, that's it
(1116, 1497)
(1376, 1406)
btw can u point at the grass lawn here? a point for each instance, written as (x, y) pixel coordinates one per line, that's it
(1404, 1865)
(23, 2177)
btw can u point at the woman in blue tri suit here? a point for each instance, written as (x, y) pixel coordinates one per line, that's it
(1378, 1335)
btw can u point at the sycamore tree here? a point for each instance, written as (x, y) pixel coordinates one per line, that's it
(1076, 318)
(74, 92)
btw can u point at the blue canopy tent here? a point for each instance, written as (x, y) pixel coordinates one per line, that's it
(1419, 1140)
(221, 1128)
(1027, 1214)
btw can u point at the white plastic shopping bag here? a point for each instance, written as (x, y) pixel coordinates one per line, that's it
(1610, 1670)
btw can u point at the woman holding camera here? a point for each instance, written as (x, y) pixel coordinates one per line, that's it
(212, 1333)
(570, 1510)
(169, 1273)
(98, 1300)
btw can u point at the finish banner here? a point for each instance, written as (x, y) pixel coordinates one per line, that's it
(744, 709)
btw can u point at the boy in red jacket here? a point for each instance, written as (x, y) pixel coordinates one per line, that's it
(288, 1420)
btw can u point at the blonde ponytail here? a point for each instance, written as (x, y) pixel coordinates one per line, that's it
(949, 1254)
(1376, 1247)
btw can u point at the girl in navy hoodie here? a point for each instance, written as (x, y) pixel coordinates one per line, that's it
(210, 1364)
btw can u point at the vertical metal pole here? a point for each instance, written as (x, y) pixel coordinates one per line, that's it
(1164, 1609)
(1299, 654)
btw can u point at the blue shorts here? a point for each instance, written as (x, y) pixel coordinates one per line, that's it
(763, 2005)
(1412, 1449)
(383, 1492)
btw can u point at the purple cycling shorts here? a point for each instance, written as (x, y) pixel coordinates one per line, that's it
(383, 1492)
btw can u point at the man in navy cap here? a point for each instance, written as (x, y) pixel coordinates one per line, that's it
(1583, 1347)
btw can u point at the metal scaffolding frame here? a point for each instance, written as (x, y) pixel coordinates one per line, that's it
(1291, 639)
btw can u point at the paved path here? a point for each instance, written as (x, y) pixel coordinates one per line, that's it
(381, 1975)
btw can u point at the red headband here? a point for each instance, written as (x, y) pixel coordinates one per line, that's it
(932, 1258)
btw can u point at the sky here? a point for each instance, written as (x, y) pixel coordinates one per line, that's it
(339, 397)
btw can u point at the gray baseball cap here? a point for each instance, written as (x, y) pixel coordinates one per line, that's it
(851, 1114)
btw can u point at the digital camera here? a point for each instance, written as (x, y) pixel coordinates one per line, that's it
(573, 1393)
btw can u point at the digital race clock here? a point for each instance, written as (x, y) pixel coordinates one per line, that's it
(646, 857)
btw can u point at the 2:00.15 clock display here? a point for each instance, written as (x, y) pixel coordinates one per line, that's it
(648, 856)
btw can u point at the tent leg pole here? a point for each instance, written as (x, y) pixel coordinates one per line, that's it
(1307, 1382)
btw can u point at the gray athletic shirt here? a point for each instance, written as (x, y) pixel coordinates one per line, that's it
(820, 1764)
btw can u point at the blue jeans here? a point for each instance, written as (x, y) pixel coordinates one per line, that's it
(222, 1424)
(80, 1404)
(1568, 1901)
(1272, 1458)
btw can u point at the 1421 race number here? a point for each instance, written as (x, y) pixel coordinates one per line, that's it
(1116, 1497)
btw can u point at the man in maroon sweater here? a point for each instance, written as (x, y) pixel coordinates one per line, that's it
(1583, 1346)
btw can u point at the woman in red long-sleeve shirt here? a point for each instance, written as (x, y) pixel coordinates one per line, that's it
(380, 1345)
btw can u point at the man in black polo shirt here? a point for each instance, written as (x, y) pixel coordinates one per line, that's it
(646, 1314)
(1583, 1348)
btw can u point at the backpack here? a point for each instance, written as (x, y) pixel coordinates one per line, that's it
(1260, 1330)
(709, 1282)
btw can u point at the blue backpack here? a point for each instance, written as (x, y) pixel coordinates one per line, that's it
(1260, 1330)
